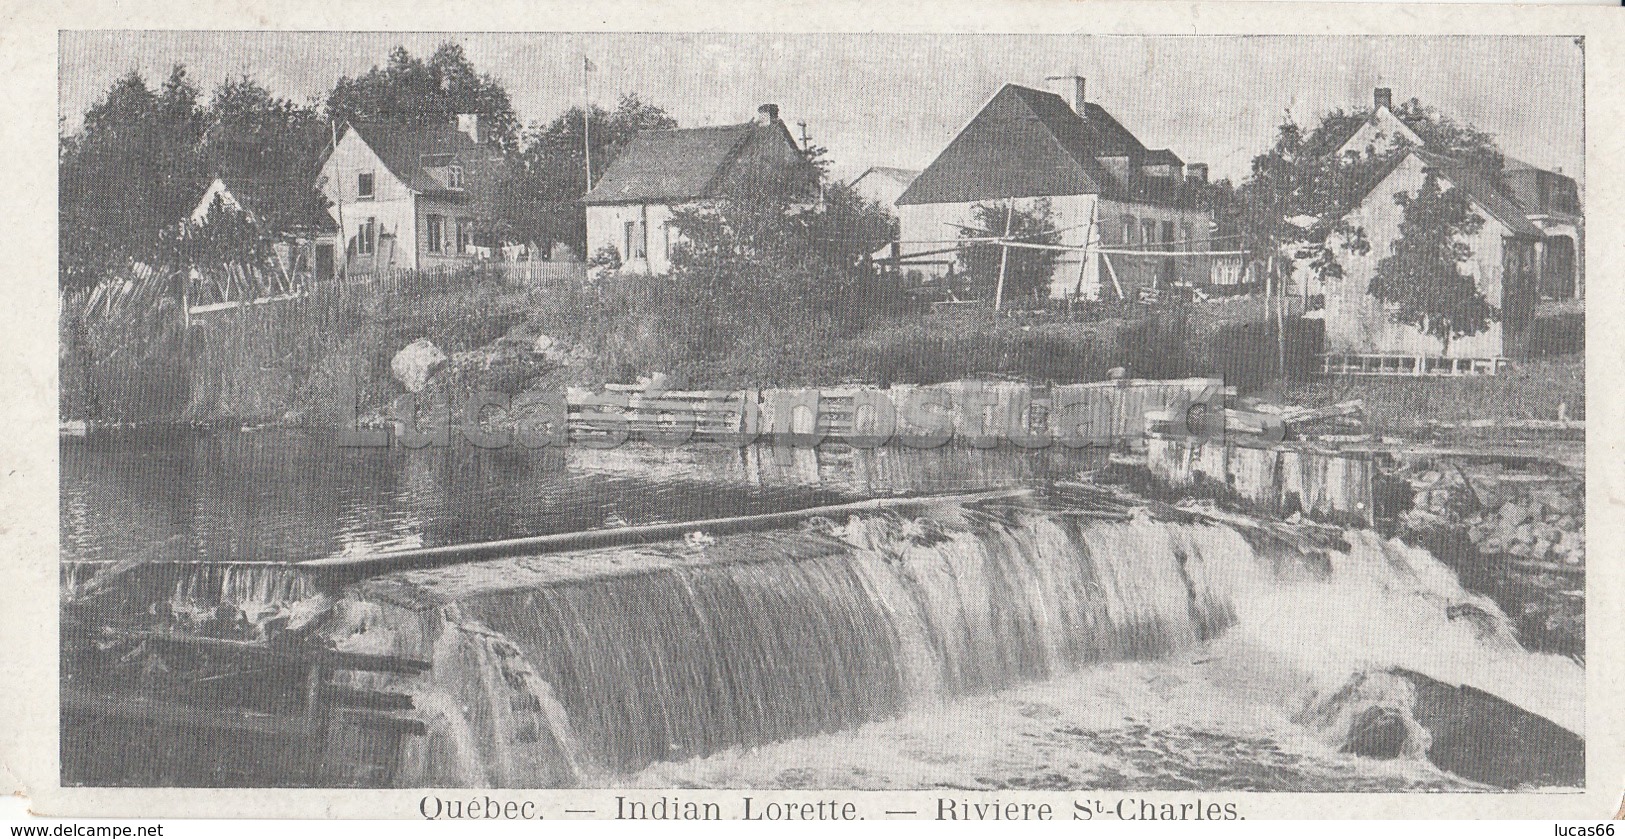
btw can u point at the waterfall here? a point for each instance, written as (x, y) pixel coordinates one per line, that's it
(585, 668)
(160, 594)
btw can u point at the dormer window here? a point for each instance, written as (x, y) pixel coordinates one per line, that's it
(454, 177)
(364, 185)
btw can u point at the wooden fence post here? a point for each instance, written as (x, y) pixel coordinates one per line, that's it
(1004, 255)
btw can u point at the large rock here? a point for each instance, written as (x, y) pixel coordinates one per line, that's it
(1485, 738)
(416, 363)
(550, 350)
(1463, 730)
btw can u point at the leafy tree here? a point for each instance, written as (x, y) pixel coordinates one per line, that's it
(131, 171)
(270, 147)
(1027, 271)
(1422, 279)
(410, 91)
(1299, 191)
(1295, 202)
(543, 198)
(759, 267)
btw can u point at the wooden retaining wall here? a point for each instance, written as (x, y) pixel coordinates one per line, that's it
(1283, 477)
(1096, 413)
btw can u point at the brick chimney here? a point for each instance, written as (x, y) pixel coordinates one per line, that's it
(1070, 88)
(1382, 97)
(1196, 173)
(469, 124)
(767, 114)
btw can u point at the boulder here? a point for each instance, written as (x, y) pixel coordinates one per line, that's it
(1378, 732)
(549, 349)
(1485, 738)
(416, 363)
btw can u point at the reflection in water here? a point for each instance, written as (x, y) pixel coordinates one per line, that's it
(290, 495)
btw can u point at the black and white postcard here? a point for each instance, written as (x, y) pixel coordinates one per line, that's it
(1163, 412)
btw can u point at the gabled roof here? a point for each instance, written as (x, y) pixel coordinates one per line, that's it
(1029, 143)
(677, 164)
(408, 152)
(687, 164)
(253, 196)
(1479, 188)
(902, 176)
(1382, 116)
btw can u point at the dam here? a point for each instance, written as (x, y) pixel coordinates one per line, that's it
(1056, 638)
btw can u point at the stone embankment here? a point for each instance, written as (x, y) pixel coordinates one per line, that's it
(1514, 531)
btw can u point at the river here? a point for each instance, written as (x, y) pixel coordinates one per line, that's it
(979, 648)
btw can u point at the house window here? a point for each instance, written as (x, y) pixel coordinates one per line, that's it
(454, 177)
(671, 238)
(364, 184)
(1168, 232)
(437, 233)
(1128, 230)
(637, 241)
(1186, 236)
(366, 239)
(465, 234)
(1148, 231)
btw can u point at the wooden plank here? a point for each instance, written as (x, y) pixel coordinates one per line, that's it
(173, 714)
(335, 659)
(386, 722)
(349, 568)
(377, 700)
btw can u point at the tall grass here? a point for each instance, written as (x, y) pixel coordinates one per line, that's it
(636, 325)
(298, 360)
(1530, 390)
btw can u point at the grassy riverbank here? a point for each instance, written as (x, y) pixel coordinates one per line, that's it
(311, 362)
(295, 362)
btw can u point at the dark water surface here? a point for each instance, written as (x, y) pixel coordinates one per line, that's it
(288, 495)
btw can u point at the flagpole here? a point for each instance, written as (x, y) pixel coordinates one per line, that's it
(586, 118)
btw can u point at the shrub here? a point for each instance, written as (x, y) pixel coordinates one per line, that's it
(1027, 271)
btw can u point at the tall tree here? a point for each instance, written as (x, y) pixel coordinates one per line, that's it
(1295, 202)
(543, 198)
(1422, 279)
(761, 267)
(268, 147)
(410, 91)
(131, 170)
(1299, 191)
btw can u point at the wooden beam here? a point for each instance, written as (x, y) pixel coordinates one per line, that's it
(292, 655)
(344, 569)
(1004, 255)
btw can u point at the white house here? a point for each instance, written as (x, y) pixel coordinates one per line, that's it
(413, 196)
(1549, 199)
(629, 210)
(1106, 190)
(1503, 265)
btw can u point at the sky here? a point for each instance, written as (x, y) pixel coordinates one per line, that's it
(896, 100)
